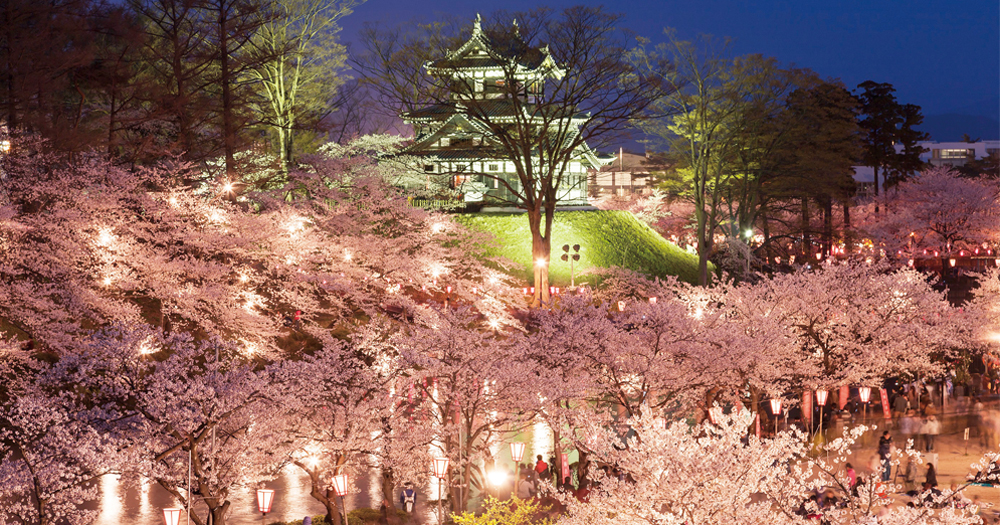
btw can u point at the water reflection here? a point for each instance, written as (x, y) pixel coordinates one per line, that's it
(144, 504)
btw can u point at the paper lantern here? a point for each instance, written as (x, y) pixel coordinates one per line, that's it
(171, 516)
(517, 451)
(265, 497)
(865, 393)
(821, 396)
(441, 467)
(340, 484)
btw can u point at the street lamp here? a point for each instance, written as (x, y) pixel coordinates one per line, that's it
(821, 396)
(265, 497)
(865, 393)
(340, 488)
(775, 409)
(572, 258)
(516, 452)
(172, 516)
(440, 471)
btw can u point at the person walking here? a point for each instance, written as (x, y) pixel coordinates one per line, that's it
(900, 405)
(930, 429)
(910, 475)
(408, 497)
(885, 454)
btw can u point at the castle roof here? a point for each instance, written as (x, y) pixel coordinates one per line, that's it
(497, 49)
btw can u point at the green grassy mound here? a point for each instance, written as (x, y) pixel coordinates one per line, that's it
(606, 239)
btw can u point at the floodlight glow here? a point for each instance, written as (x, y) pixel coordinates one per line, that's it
(497, 477)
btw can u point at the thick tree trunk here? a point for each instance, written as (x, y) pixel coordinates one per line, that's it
(540, 224)
(704, 247)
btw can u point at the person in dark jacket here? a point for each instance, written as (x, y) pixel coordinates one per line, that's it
(885, 454)
(408, 497)
(931, 479)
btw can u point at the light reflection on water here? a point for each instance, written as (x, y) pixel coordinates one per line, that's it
(144, 504)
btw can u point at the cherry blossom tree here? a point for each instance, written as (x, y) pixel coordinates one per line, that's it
(202, 427)
(349, 418)
(859, 323)
(87, 243)
(480, 384)
(672, 473)
(939, 210)
(52, 453)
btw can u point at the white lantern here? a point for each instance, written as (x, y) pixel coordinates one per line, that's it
(340, 484)
(517, 451)
(865, 393)
(821, 396)
(440, 467)
(171, 516)
(265, 497)
(775, 406)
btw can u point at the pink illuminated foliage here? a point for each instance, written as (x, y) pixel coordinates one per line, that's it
(666, 472)
(937, 210)
(88, 243)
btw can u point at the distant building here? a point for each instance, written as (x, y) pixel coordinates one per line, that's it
(957, 153)
(627, 174)
(934, 154)
(450, 144)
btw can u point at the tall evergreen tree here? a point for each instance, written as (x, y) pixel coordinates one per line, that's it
(886, 123)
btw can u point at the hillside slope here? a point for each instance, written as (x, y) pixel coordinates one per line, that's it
(606, 239)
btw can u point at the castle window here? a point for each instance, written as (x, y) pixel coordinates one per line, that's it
(429, 168)
(494, 167)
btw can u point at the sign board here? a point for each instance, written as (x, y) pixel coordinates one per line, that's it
(886, 409)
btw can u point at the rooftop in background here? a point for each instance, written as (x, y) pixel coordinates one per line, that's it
(936, 154)
(637, 164)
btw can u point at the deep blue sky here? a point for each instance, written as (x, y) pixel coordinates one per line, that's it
(943, 55)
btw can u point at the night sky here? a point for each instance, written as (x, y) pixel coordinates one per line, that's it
(943, 55)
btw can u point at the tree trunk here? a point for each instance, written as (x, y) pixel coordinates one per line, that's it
(766, 229)
(827, 224)
(229, 140)
(704, 247)
(875, 173)
(540, 223)
(180, 103)
(804, 224)
(12, 122)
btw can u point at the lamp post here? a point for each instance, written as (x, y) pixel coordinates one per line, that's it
(265, 497)
(775, 409)
(821, 396)
(440, 471)
(516, 453)
(865, 393)
(572, 258)
(172, 516)
(340, 488)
